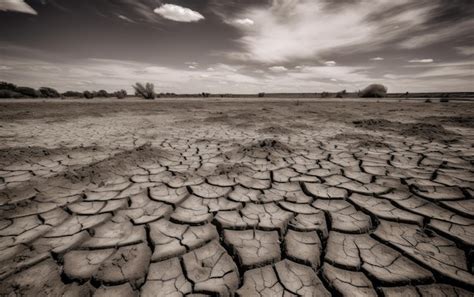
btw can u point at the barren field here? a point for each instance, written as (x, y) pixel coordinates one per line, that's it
(236, 197)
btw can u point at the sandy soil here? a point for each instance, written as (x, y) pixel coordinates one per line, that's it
(236, 197)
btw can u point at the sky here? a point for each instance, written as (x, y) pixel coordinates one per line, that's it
(239, 46)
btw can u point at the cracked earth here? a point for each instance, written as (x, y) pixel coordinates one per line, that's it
(236, 198)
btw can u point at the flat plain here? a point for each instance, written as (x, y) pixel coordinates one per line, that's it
(239, 197)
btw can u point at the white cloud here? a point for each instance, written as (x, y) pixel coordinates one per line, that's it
(302, 29)
(278, 69)
(330, 63)
(178, 13)
(421, 61)
(466, 50)
(16, 5)
(377, 59)
(245, 22)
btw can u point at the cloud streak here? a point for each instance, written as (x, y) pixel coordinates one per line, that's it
(421, 61)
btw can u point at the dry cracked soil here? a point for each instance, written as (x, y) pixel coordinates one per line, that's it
(236, 198)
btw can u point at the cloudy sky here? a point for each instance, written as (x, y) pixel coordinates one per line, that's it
(238, 46)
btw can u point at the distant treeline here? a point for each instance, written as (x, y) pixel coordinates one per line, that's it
(9, 90)
(147, 91)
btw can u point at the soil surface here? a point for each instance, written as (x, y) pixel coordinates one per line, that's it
(236, 198)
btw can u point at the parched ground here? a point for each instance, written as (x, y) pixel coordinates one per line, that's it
(236, 197)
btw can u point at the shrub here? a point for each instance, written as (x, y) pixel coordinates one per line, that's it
(428, 101)
(28, 92)
(102, 94)
(10, 94)
(7, 86)
(261, 95)
(374, 91)
(145, 91)
(205, 94)
(49, 92)
(444, 100)
(73, 94)
(341, 94)
(325, 94)
(88, 95)
(121, 94)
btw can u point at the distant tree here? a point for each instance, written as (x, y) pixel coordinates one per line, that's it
(121, 94)
(341, 94)
(10, 94)
(102, 94)
(145, 91)
(28, 92)
(73, 94)
(7, 86)
(261, 95)
(325, 95)
(203, 94)
(49, 92)
(374, 91)
(88, 95)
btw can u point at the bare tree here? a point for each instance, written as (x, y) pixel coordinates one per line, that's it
(145, 91)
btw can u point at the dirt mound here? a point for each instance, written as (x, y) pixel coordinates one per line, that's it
(299, 125)
(458, 121)
(275, 130)
(118, 164)
(431, 132)
(218, 119)
(267, 145)
(376, 124)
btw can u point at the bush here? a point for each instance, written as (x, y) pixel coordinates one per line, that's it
(10, 94)
(341, 94)
(121, 94)
(325, 94)
(7, 86)
(101, 94)
(73, 94)
(145, 91)
(88, 95)
(428, 101)
(205, 94)
(28, 92)
(444, 100)
(374, 91)
(261, 95)
(49, 92)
